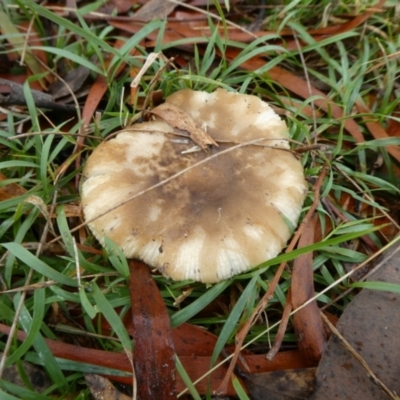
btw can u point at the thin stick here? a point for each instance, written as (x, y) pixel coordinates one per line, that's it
(282, 328)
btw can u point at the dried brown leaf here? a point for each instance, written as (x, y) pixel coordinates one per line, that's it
(282, 385)
(307, 321)
(101, 388)
(178, 118)
(155, 9)
(11, 190)
(154, 353)
(72, 82)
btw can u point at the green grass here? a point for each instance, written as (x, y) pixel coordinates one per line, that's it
(37, 248)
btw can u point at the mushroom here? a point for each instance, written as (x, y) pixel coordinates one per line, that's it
(209, 214)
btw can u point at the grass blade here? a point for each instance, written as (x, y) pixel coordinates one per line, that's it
(104, 306)
(383, 286)
(33, 262)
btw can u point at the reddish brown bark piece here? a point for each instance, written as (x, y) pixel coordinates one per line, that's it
(188, 339)
(154, 354)
(196, 366)
(307, 321)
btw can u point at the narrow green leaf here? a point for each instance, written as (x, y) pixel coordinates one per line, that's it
(17, 164)
(231, 322)
(28, 323)
(186, 379)
(20, 230)
(86, 304)
(88, 35)
(347, 254)
(104, 306)
(6, 312)
(33, 113)
(188, 312)
(38, 314)
(384, 286)
(239, 389)
(360, 176)
(117, 258)
(5, 395)
(17, 40)
(65, 231)
(20, 391)
(317, 246)
(353, 226)
(318, 45)
(71, 56)
(374, 144)
(45, 163)
(38, 265)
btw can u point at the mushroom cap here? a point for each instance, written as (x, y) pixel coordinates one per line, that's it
(213, 221)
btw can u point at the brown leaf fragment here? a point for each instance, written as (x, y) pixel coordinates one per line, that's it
(177, 118)
(115, 6)
(307, 321)
(101, 388)
(10, 190)
(154, 354)
(281, 385)
(155, 9)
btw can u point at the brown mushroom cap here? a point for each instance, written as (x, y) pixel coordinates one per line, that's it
(216, 220)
